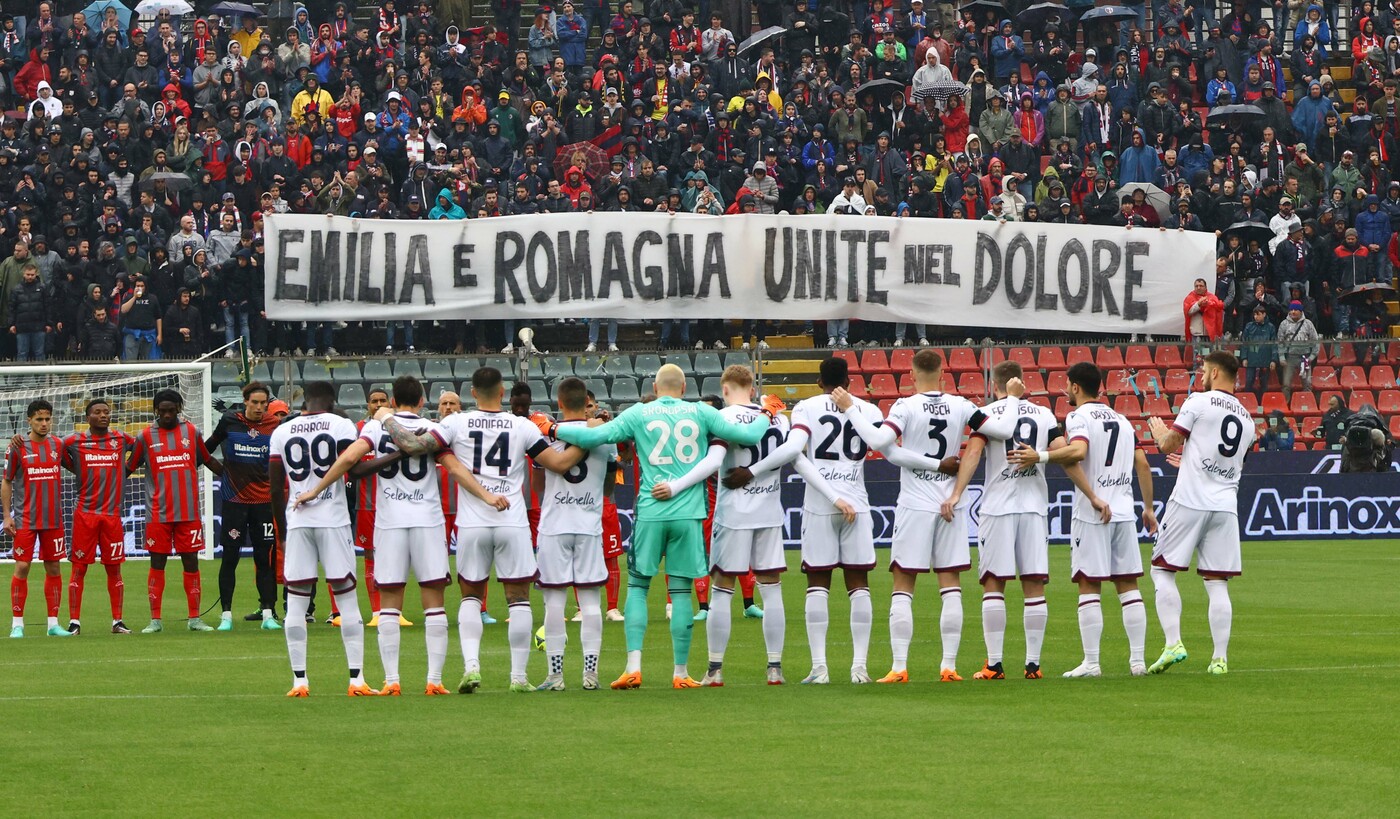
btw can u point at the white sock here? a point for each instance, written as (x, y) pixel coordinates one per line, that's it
(994, 625)
(1135, 623)
(389, 644)
(267, 614)
(901, 629)
(522, 628)
(295, 628)
(862, 614)
(554, 635)
(591, 629)
(435, 634)
(352, 633)
(719, 622)
(1168, 604)
(52, 622)
(681, 670)
(228, 615)
(16, 622)
(1090, 626)
(816, 616)
(1033, 619)
(634, 662)
(774, 620)
(950, 624)
(468, 632)
(1220, 612)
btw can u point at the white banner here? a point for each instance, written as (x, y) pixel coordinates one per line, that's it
(655, 266)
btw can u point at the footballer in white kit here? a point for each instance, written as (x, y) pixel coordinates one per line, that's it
(1103, 533)
(300, 452)
(930, 533)
(1213, 433)
(832, 537)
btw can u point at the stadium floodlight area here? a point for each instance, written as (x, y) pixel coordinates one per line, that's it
(130, 389)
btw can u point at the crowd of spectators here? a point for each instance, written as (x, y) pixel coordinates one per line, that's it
(137, 160)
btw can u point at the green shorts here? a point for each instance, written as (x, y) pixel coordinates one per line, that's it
(680, 542)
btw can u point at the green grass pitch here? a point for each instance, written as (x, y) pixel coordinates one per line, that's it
(183, 723)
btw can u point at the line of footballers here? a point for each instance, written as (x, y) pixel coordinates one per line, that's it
(678, 446)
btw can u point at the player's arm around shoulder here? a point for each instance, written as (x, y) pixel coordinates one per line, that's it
(538, 448)
(615, 431)
(719, 426)
(869, 424)
(349, 458)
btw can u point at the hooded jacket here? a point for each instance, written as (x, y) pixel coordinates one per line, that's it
(1373, 226)
(1007, 51)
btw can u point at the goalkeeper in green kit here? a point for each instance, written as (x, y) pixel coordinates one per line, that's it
(670, 436)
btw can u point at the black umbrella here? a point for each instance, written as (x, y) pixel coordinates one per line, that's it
(1035, 17)
(1363, 292)
(877, 86)
(985, 5)
(1251, 230)
(173, 181)
(1108, 14)
(755, 39)
(227, 9)
(1225, 112)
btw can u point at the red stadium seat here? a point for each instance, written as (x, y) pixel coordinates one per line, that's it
(901, 359)
(1177, 380)
(1381, 377)
(906, 384)
(1360, 398)
(849, 356)
(1117, 382)
(1024, 357)
(1249, 401)
(882, 385)
(1320, 445)
(874, 361)
(1169, 357)
(1051, 358)
(886, 404)
(1128, 405)
(1395, 426)
(1388, 401)
(1324, 377)
(1044, 401)
(1343, 356)
(1303, 403)
(1057, 382)
(857, 385)
(972, 385)
(1062, 407)
(1325, 396)
(1034, 381)
(1142, 430)
(1158, 406)
(991, 356)
(1139, 357)
(1353, 378)
(1110, 358)
(1148, 380)
(1274, 401)
(1391, 354)
(946, 384)
(1078, 354)
(962, 359)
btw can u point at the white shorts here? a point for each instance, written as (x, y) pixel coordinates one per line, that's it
(829, 542)
(924, 540)
(421, 548)
(1013, 545)
(571, 560)
(735, 551)
(1104, 551)
(1214, 537)
(306, 547)
(508, 548)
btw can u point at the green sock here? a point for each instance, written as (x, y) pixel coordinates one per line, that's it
(634, 611)
(682, 622)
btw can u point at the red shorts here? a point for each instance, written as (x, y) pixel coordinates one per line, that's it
(49, 541)
(97, 537)
(612, 531)
(364, 529)
(174, 538)
(532, 514)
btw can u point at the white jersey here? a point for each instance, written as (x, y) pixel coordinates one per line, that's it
(1011, 489)
(760, 504)
(307, 446)
(930, 424)
(1219, 432)
(1109, 464)
(573, 502)
(837, 450)
(495, 447)
(407, 489)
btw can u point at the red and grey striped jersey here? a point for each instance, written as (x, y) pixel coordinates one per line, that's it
(172, 458)
(36, 472)
(99, 465)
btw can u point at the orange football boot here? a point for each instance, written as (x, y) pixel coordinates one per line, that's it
(390, 690)
(949, 675)
(895, 677)
(628, 681)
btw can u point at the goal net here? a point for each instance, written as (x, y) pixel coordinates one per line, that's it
(130, 389)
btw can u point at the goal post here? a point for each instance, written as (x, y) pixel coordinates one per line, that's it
(130, 389)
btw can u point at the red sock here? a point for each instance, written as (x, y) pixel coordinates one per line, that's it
(702, 590)
(116, 589)
(19, 592)
(484, 588)
(746, 584)
(155, 590)
(614, 584)
(192, 592)
(75, 591)
(335, 610)
(371, 585)
(53, 592)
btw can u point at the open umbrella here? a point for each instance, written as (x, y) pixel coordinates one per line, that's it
(173, 181)
(234, 10)
(1105, 14)
(1363, 291)
(98, 8)
(755, 39)
(1225, 112)
(887, 87)
(1037, 16)
(150, 8)
(941, 91)
(1156, 197)
(1251, 230)
(591, 159)
(985, 5)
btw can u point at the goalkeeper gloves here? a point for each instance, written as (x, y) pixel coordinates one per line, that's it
(772, 405)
